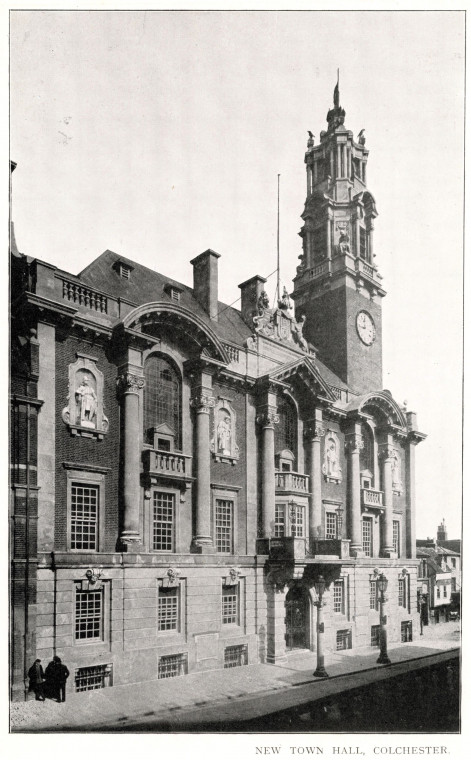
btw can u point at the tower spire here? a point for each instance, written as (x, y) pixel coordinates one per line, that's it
(337, 91)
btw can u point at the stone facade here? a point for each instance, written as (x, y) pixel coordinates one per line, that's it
(183, 472)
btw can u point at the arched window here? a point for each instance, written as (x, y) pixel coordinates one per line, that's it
(162, 398)
(286, 431)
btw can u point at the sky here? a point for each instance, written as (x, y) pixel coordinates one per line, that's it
(161, 134)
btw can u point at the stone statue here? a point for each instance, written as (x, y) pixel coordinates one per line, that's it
(87, 402)
(224, 435)
(263, 303)
(284, 303)
(263, 323)
(297, 331)
(344, 242)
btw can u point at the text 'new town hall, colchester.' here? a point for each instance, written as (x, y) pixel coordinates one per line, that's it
(182, 472)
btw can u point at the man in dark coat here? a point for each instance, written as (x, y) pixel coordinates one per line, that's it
(36, 680)
(57, 675)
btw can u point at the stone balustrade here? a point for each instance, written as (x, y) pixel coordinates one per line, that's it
(371, 497)
(294, 482)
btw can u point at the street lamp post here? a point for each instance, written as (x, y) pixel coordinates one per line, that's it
(320, 671)
(383, 658)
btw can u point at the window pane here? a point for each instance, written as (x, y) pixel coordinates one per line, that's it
(396, 544)
(162, 397)
(297, 520)
(88, 614)
(338, 596)
(366, 536)
(373, 595)
(163, 529)
(330, 525)
(230, 605)
(286, 430)
(168, 609)
(279, 520)
(83, 516)
(223, 525)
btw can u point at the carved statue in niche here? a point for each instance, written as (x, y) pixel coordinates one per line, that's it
(344, 242)
(223, 443)
(331, 467)
(84, 413)
(396, 473)
(224, 433)
(86, 401)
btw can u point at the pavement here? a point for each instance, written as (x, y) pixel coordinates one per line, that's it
(170, 704)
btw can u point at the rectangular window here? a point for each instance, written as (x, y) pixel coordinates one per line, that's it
(223, 526)
(396, 538)
(406, 631)
(438, 592)
(88, 614)
(366, 527)
(173, 665)
(230, 605)
(402, 593)
(279, 520)
(453, 562)
(343, 639)
(297, 520)
(330, 525)
(84, 501)
(373, 595)
(93, 677)
(375, 629)
(163, 523)
(445, 592)
(168, 609)
(339, 602)
(235, 656)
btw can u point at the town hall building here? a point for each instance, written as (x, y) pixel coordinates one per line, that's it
(183, 472)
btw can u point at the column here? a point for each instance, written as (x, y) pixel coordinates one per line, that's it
(202, 401)
(386, 451)
(329, 236)
(276, 614)
(410, 494)
(339, 161)
(268, 418)
(131, 385)
(315, 173)
(332, 164)
(349, 163)
(354, 444)
(314, 433)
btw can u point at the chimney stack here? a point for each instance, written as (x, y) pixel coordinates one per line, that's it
(205, 281)
(251, 291)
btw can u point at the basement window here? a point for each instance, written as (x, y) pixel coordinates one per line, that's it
(93, 677)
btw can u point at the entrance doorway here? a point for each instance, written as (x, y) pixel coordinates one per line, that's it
(297, 618)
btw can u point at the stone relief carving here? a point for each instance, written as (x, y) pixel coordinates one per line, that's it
(84, 413)
(223, 443)
(331, 466)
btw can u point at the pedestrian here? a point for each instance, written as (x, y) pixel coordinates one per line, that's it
(36, 680)
(57, 674)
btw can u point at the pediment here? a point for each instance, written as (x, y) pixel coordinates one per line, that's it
(306, 370)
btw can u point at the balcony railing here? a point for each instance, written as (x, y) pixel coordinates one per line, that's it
(372, 498)
(168, 463)
(292, 481)
(330, 547)
(83, 296)
(285, 547)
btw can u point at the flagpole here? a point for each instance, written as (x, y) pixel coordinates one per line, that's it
(278, 244)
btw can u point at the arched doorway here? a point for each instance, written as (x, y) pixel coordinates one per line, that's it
(297, 618)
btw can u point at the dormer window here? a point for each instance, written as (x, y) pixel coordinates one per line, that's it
(123, 269)
(173, 291)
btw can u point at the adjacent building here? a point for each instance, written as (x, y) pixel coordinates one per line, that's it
(183, 471)
(439, 577)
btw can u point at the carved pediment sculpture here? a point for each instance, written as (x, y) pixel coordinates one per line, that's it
(84, 413)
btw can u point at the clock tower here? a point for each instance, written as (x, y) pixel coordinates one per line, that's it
(337, 284)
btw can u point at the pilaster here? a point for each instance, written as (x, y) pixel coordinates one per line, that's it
(314, 431)
(353, 446)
